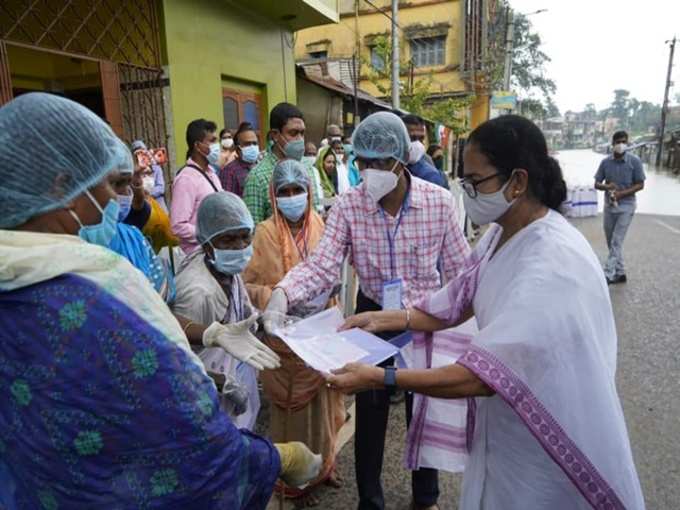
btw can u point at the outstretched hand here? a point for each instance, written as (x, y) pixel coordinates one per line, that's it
(373, 322)
(356, 377)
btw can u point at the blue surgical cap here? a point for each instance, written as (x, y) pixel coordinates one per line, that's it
(51, 150)
(219, 213)
(290, 171)
(381, 135)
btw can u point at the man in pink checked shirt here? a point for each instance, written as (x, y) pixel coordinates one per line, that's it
(404, 238)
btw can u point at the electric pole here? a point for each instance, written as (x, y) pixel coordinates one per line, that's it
(356, 63)
(664, 106)
(509, 39)
(395, 55)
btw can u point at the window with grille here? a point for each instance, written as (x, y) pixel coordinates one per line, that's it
(377, 61)
(428, 51)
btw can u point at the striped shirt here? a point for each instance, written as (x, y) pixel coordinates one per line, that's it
(428, 240)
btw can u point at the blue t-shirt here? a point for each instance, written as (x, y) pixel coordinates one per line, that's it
(423, 170)
(624, 172)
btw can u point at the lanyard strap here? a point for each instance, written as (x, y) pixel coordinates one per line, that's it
(303, 254)
(204, 174)
(392, 238)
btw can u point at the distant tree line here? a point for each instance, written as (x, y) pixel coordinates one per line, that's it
(636, 116)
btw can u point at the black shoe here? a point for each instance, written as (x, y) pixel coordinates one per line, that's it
(620, 278)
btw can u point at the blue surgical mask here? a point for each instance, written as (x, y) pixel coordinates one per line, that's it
(231, 262)
(292, 207)
(347, 147)
(250, 153)
(295, 149)
(125, 203)
(103, 232)
(213, 156)
(308, 160)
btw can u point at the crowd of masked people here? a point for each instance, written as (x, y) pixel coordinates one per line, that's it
(134, 379)
(241, 216)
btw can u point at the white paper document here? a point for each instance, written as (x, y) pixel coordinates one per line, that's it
(319, 344)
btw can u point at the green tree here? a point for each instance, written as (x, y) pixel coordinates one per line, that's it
(620, 107)
(647, 116)
(532, 108)
(529, 74)
(590, 111)
(416, 97)
(551, 108)
(529, 60)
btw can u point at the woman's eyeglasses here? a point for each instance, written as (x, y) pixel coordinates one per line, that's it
(470, 186)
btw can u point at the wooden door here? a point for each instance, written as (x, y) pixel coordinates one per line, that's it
(241, 107)
(6, 94)
(111, 95)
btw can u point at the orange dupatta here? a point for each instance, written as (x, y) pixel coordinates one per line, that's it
(275, 252)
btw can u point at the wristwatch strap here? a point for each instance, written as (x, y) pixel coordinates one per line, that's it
(390, 377)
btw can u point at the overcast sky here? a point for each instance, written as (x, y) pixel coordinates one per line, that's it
(597, 46)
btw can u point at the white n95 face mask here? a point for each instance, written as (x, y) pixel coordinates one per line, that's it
(379, 183)
(487, 207)
(416, 150)
(620, 148)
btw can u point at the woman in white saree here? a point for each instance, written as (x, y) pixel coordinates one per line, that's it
(545, 426)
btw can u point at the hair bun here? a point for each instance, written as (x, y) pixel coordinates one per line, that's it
(553, 184)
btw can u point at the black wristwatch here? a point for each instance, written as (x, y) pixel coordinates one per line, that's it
(390, 380)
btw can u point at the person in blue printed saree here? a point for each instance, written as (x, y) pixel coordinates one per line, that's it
(105, 404)
(545, 426)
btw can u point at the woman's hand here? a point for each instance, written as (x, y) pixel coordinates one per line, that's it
(375, 322)
(356, 377)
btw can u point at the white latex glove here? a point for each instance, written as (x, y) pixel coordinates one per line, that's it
(238, 341)
(299, 465)
(276, 311)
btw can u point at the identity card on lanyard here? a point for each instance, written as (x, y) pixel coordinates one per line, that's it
(392, 294)
(392, 290)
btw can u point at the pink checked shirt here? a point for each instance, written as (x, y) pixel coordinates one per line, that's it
(189, 188)
(428, 234)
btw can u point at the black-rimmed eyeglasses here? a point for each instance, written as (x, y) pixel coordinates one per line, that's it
(470, 186)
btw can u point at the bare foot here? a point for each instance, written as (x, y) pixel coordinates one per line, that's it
(307, 501)
(334, 480)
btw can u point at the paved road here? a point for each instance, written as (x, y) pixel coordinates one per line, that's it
(648, 375)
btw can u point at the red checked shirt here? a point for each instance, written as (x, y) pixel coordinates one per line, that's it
(428, 238)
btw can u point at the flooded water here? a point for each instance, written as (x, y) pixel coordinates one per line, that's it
(662, 189)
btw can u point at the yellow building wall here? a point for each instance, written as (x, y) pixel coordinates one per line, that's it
(211, 45)
(479, 110)
(40, 70)
(340, 40)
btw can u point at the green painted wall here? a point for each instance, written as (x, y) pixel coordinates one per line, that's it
(208, 42)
